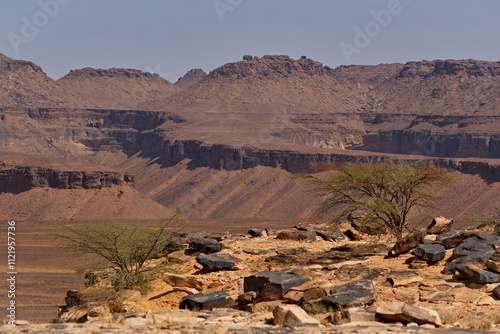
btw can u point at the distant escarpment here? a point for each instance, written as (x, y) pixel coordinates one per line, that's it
(90, 72)
(451, 67)
(19, 179)
(225, 157)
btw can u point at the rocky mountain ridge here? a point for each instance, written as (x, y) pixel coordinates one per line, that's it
(116, 88)
(269, 112)
(467, 67)
(190, 78)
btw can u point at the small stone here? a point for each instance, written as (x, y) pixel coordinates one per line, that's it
(486, 300)
(418, 264)
(304, 227)
(430, 239)
(297, 235)
(356, 314)
(258, 233)
(442, 298)
(175, 317)
(466, 295)
(493, 266)
(403, 278)
(439, 225)
(267, 306)
(284, 314)
(189, 291)
(332, 235)
(450, 239)
(136, 322)
(179, 280)
(496, 292)
(247, 298)
(396, 311)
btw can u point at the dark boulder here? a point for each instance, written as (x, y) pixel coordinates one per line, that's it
(408, 243)
(217, 262)
(430, 253)
(207, 301)
(271, 285)
(496, 292)
(356, 293)
(205, 245)
(455, 265)
(477, 274)
(450, 239)
(258, 233)
(332, 235)
(476, 246)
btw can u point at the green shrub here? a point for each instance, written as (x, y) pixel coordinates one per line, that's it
(123, 248)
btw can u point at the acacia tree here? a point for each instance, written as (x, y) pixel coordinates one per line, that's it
(385, 193)
(124, 247)
(491, 220)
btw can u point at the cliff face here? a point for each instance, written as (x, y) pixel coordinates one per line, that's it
(223, 157)
(19, 179)
(450, 141)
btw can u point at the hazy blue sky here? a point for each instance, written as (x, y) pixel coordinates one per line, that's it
(173, 36)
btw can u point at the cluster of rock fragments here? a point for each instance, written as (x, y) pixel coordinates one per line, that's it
(315, 278)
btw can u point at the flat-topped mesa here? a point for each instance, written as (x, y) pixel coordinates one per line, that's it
(89, 72)
(21, 172)
(19, 179)
(468, 67)
(270, 67)
(116, 88)
(191, 77)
